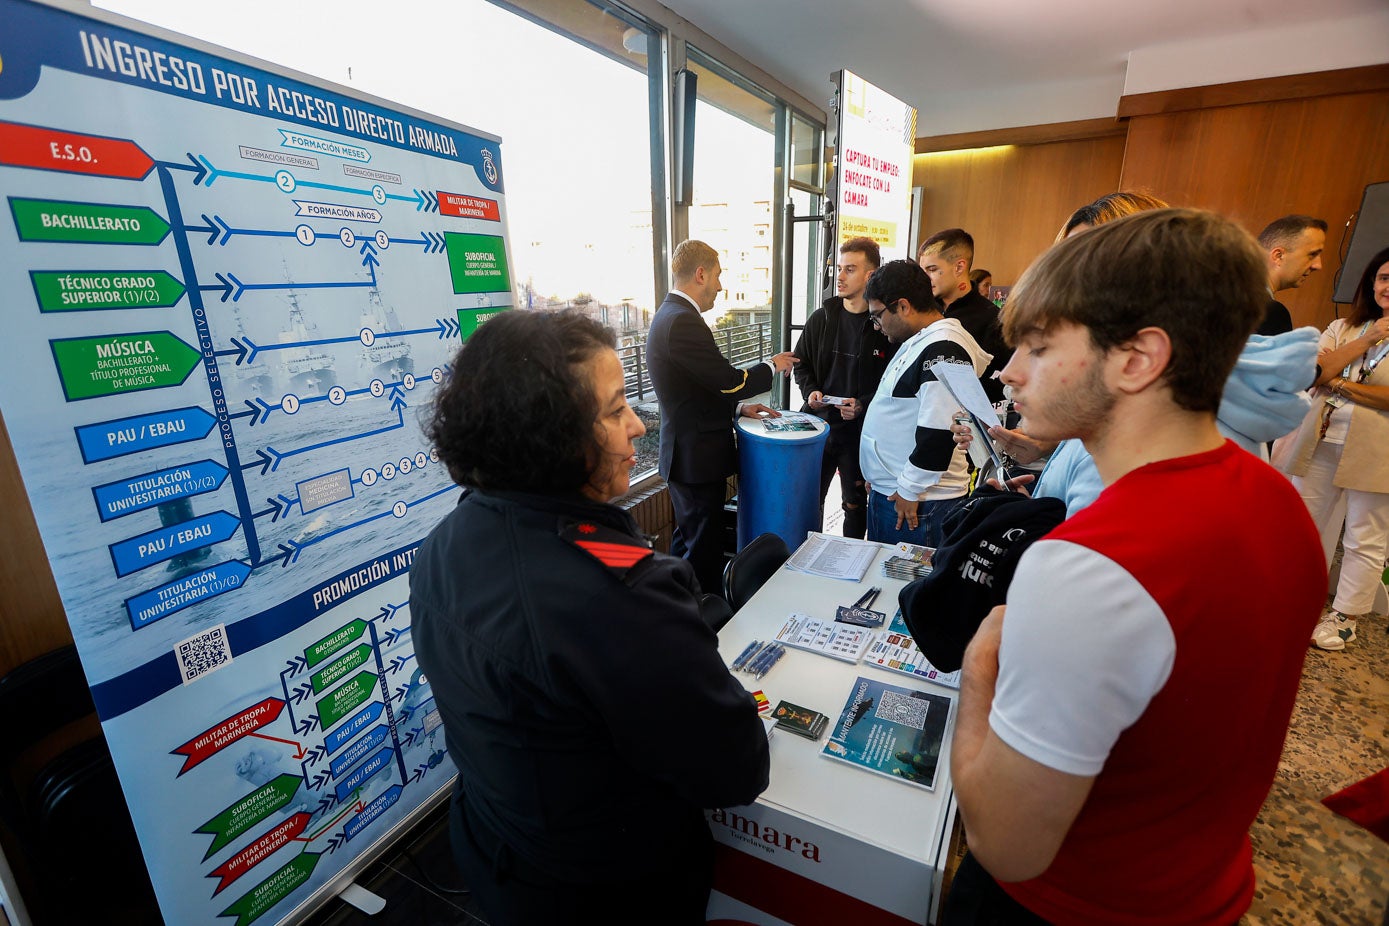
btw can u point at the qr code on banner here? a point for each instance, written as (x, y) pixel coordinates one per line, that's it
(903, 709)
(203, 653)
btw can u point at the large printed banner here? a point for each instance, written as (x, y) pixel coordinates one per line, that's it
(229, 291)
(873, 158)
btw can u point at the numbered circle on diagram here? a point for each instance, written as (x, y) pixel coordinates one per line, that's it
(377, 388)
(383, 240)
(388, 471)
(399, 509)
(369, 477)
(367, 337)
(408, 380)
(406, 464)
(378, 193)
(285, 181)
(337, 395)
(290, 403)
(347, 236)
(437, 375)
(305, 235)
(433, 454)
(421, 459)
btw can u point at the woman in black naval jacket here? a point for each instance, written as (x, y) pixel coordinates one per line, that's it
(583, 698)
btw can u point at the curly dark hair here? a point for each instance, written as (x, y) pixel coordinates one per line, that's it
(518, 411)
(1363, 307)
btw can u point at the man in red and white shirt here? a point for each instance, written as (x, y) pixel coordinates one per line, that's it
(1122, 717)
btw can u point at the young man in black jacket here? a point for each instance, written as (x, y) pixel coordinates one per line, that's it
(947, 257)
(842, 357)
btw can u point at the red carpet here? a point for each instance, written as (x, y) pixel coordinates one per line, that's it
(1366, 803)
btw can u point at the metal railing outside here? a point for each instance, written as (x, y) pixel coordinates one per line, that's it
(741, 344)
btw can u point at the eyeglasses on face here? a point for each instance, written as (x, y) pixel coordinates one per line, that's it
(877, 317)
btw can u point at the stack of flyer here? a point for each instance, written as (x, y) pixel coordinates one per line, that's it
(895, 649)
(908, 562)
(828, 638)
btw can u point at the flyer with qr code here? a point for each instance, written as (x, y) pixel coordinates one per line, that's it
(897, 732)
(231, 289)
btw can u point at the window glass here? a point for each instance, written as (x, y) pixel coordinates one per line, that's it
(735, 157)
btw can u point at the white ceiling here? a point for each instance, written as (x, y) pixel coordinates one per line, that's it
(996, 63)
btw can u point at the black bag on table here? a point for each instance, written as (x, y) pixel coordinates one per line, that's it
(983, 540)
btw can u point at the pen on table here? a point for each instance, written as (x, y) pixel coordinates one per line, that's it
(763, 659)
(776, 655)
(755, 657)
(755, 661)
(746, 654)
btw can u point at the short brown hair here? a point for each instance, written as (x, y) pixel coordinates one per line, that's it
(865, 246)
(1197, 276)
(1109, 207)
(689, 256)
(952, 244)
(1285, 230)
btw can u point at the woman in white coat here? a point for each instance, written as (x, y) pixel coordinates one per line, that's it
(1342, 448)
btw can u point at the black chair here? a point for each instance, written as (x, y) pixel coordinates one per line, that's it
(79, 859)
(715, 611)
(753, 565)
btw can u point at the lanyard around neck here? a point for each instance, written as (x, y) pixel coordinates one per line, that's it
(1367, 363)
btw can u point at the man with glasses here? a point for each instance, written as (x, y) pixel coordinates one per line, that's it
(907, 454)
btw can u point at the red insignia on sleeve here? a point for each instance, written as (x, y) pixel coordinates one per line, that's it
(614, 549)
(619, 556)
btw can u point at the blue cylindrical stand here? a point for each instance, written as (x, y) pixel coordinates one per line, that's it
(779, 481)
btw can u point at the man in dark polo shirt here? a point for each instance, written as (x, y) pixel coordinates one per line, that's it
(1294, 244)
(947, 257)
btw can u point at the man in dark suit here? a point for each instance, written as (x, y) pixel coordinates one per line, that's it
(1294, 244)
(699, 392)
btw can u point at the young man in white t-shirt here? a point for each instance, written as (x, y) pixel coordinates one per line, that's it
(909, 460)
(1122, 717)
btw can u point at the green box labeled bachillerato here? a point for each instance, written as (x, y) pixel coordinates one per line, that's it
(477, 263)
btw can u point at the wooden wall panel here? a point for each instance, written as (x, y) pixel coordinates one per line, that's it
(32, 620)
(1013, 199)
(1258, 161)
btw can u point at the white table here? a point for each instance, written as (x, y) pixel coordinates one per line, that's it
(879, 845)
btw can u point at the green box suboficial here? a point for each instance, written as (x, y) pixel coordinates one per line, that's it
(470, 320)
(477, 263)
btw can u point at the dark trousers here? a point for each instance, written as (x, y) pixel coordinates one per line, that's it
(841, 453)
(975, 899)
(514, 892)
(698, 534)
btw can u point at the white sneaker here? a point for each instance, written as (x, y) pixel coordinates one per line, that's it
(1334, 631)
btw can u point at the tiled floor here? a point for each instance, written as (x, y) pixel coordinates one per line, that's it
(1314, 866)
